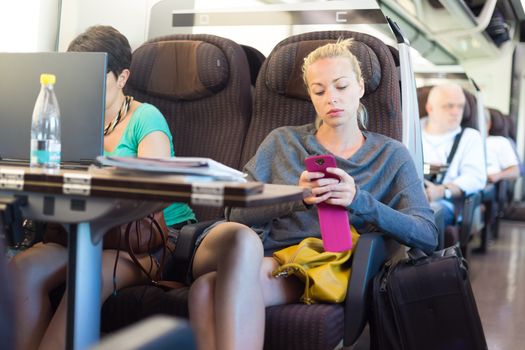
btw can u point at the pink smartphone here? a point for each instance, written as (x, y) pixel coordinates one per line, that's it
(333, 219)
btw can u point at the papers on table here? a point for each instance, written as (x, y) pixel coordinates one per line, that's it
(204, 168)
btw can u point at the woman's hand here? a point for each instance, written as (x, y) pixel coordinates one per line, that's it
(327, 189)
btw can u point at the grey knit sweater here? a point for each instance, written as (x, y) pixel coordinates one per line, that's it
(389, 198)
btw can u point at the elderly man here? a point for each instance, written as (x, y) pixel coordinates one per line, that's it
(466, 172)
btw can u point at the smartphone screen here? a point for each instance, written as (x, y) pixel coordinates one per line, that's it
(334, 221)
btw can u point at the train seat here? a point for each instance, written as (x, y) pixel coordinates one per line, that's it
(281, 99)
(255, 60)
(470, 112)
(201, 83)
(500, 125)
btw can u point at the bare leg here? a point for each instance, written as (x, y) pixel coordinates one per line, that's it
(235, 252)
(128, 274)
(243, 286)
(278, 291)
(36, 271)
(202, 310)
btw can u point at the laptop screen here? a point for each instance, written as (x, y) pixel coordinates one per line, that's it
(81, 93)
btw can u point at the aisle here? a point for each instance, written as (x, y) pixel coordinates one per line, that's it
(498, 281)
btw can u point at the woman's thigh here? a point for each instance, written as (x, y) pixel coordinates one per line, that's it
(127, 273)
(41, 265)
(278, 291)
(225, 240)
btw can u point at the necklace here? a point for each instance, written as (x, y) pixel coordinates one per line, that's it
(123, 111)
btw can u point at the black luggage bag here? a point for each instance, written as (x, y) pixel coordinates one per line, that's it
(425, 302)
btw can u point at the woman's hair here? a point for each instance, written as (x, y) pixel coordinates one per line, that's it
(105, 39)
(339, 49)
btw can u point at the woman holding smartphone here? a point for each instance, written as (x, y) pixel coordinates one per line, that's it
(376, 181)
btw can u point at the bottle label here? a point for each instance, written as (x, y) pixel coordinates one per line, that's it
(45, 153)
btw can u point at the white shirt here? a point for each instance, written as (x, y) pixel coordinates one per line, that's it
(467, 169)
(500, 154)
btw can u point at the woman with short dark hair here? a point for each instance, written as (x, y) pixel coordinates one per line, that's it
(132, 129)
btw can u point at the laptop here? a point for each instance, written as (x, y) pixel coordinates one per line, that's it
(81, 93)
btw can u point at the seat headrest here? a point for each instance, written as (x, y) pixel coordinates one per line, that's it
(499, 127)
(284, 74)
(470, 112)
(179, 69)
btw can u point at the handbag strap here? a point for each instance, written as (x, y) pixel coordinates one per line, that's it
(154, 280)
(416, 254)
(451, 155)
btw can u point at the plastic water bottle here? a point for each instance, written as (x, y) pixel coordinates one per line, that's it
(45, 127)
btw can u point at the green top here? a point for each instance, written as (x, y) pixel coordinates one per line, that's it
(145, 120)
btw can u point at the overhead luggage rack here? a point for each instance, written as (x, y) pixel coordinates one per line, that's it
(464, 28)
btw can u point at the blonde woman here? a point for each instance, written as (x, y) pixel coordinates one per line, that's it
(377, 184)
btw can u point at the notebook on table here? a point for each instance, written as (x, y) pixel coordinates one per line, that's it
(81, 93)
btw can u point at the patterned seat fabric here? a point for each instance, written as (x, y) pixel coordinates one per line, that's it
(281, 99)
(201, 83)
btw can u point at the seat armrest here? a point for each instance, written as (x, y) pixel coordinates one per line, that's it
(371, 252)
(158, 332)
(470, 203)
(182, 257)
(510, 191)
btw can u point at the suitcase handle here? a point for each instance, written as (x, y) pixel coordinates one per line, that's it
(417, 256)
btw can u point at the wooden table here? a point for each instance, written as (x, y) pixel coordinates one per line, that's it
(90, 202)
